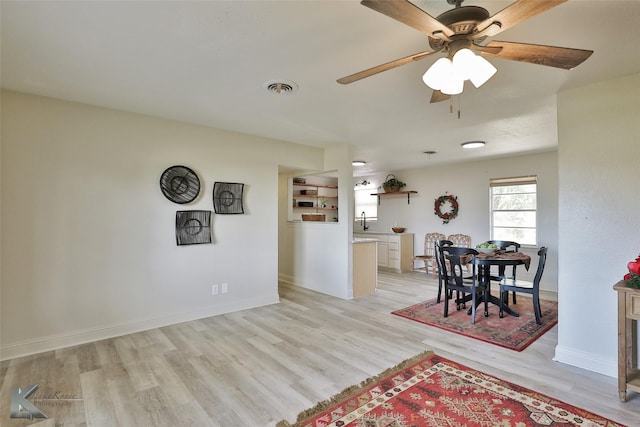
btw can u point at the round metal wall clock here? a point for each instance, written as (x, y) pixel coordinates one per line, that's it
(180, 184)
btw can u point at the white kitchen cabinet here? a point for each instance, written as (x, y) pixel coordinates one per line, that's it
(395, 251)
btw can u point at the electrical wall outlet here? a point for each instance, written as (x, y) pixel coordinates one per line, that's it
(214, 289)
(225, 288)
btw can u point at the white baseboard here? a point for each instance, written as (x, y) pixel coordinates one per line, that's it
(589, 361)
(55, 342)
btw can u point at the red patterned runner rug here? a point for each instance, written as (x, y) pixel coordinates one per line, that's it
(429, 390)
(514, 333)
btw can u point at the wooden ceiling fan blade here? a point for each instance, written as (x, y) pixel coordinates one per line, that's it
(384, 67)
(438, 96)
(514, 14)
(493, 49)
(552, 56)
(411, 15)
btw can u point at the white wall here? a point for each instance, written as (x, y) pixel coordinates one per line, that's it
(88, 239)
(470, 183)
(599, 215)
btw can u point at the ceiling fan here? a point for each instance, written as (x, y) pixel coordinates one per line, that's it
(464, 28)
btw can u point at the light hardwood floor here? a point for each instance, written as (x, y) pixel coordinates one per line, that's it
(256, 367)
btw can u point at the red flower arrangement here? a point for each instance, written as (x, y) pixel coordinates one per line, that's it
(633, 276)
(446, 216)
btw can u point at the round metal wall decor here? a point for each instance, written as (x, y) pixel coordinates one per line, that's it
(180, 184)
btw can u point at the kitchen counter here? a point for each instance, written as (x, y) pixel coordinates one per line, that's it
(363, 240)
(386, 233)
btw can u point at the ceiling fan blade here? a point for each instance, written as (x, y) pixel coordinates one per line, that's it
(493, 50)
(552, 56)
(411, 15)
(438, 96)
(384, 67)
(514, 14)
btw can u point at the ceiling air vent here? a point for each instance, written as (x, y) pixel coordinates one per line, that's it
(281, 87)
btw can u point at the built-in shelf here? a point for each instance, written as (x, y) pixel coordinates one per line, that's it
(323, 192)
(394, 193)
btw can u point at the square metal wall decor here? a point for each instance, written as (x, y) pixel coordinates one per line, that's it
(193, 227)
(227, 198)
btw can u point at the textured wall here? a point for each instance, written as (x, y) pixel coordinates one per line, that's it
(599, 148)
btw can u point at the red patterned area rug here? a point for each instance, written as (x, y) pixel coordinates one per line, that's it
(515, 333)
(429, 390)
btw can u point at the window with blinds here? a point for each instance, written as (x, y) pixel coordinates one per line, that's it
(513, 209)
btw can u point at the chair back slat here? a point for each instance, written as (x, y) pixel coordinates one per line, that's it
(542, 260)
(438, 246)
(452, 263)
(505, 244)
(466, 288)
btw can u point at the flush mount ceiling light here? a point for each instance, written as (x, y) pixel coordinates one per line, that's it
(472, 144)
(358, 163)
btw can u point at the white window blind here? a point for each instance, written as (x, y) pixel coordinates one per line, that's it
(514, 209)
(365, 202)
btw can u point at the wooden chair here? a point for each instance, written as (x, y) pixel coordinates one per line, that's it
(440, 261)
(430, 256)
(461, 241)
(507, 245)
(531, 288)
(467, 289)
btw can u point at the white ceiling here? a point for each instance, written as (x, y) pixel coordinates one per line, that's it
(206, 62)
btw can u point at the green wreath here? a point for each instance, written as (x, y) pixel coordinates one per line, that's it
(446, 216)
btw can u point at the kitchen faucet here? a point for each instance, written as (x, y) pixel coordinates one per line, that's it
(363, 221)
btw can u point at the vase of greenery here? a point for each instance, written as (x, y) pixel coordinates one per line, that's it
(392, 184)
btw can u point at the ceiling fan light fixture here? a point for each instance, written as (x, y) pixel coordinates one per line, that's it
(448, 75)
(454, 86)
(464, 63)
(483, 70)
(437, 76)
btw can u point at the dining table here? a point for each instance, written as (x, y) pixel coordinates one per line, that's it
(500, 258)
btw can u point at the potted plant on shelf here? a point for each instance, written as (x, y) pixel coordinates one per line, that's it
(392, 184)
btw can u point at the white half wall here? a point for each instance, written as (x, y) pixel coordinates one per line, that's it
(318, 255)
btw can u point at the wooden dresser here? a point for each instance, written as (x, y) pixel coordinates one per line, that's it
(628, 311)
